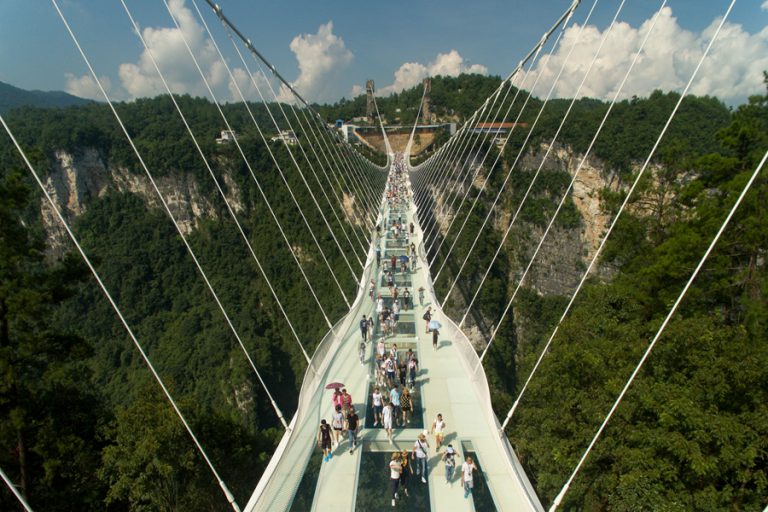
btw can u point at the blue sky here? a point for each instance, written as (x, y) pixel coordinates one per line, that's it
(340, 44)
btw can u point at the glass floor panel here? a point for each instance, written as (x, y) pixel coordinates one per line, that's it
(305, 494)
(481, 493)
(417, 416)
(373, 488)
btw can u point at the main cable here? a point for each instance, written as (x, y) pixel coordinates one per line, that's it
(135, 26)
(277, 127)
(250, 168)
(230, 498)
(15, 491)
(144, 166)
(269, 149)
(525, 141)
(551, 144)
(609, 230)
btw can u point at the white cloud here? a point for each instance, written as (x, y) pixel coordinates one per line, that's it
(85, 86)
(732, 71)
(140, 78)
(320, 57)
(168, 48)
(764, 6)
(412, 73)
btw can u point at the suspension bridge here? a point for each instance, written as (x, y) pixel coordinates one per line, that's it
(406, 212)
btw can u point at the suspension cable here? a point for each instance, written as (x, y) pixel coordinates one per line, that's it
(482, 189)
(287, 146)
(152, 58)
(248, 165)
(167, 209)
(512, 221)
(269, 149)
(607, 234)
(452, 192)
(230, 498)
(501, 150)
(524, 144)
(453, 166)
(663, 325)
(532, 57)
(15, 491)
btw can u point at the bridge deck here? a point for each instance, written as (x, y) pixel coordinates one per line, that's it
(447, 385)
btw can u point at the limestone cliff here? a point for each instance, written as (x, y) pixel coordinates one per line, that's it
(78, 179)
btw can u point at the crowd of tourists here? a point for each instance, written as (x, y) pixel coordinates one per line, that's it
(394, 371)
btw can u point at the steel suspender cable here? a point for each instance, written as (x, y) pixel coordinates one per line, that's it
(563, 19)
(551, 144)
(215, 180)
(287, 147)
(230, 498)
(298, 142)
(266, 144)
(256, 53)
(167, 209)
(15, 491)
(408, 146)
(575, 174)
(615, 220)
(250, 169)
(482, 189)
(524, 144)
(468, 162)
(463, 155)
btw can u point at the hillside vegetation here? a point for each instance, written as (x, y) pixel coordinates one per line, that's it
(692, 433)
(84, 427)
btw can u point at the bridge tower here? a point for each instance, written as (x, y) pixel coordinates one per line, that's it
(426, 113)
(370, 107)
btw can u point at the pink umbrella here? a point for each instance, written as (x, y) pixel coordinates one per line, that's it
(334, 385)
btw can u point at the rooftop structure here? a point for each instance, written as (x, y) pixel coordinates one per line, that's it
(226, 137)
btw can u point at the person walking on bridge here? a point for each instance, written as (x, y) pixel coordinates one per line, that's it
(405, 472)
(419, 455)
(438, 428)
(395, 468)
(353, 424)
(449, 457)
(364, 329)
(377, 401)
(324, 440)
(387, 416)
(467, 480)
(427, 317)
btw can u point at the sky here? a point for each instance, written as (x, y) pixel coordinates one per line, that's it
(328, 48)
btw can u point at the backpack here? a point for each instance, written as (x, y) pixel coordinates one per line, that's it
(426, 316)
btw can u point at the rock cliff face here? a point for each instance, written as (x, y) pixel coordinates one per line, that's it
(76, 180)
(565, 252)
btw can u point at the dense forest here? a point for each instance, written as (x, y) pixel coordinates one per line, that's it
(692, 433)
(83, 425)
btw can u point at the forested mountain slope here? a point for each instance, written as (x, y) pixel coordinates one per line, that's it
(693, 431)
(84, 427)
(83, 424)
